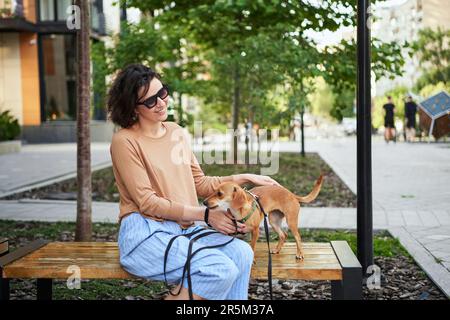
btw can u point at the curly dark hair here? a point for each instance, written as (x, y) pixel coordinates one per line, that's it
(123, 94)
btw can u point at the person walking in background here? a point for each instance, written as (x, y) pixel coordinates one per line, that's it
(389, 132)
(410, 115)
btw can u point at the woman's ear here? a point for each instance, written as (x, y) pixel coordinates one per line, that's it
(238, 198)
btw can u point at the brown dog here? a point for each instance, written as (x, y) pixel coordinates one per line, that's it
(277, 202)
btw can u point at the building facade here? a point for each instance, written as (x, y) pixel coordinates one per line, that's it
(402, 23)
(38, 66)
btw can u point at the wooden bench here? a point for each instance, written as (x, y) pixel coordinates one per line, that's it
(45, 261)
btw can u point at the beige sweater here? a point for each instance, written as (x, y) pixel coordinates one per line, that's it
(157, 177)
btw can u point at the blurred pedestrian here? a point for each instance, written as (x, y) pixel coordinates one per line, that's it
(410, 115)
(389, 132)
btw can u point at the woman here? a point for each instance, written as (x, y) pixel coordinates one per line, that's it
(159, 179)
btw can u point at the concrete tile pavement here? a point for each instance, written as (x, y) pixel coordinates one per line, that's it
(53, 211)
(44, 164)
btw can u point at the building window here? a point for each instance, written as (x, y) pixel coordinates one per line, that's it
(62, 9)
(53, 10)
(47, 10)
(59, 76)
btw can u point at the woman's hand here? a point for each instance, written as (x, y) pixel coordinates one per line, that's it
(262, 180)
(222, 221)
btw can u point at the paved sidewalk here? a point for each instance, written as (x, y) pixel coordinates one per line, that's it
(328, 218)
(53, 211)
(43, 164)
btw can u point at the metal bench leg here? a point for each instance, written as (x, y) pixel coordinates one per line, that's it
(350, 287)
(44, 289)
(4, 283)
(4, 287)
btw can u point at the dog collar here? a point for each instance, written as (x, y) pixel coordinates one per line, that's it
(250, 214)
(253, 206)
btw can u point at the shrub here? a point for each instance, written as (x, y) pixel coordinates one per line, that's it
(9, 126)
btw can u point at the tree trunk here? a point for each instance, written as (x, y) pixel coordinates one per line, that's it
(235, 110)
(248, 134)
(84, 203)
(180, 110)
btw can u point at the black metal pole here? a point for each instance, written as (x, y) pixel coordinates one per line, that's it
(302, 129)
(364, 141)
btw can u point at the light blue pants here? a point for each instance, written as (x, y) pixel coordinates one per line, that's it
(220, 273)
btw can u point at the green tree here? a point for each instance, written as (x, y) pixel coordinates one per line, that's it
(252, 45)
(224, 26)
(322, 99)
(340, 70)
(398, 95)
(432, 89)
(100, 71)
(433, 51)
(164, 49)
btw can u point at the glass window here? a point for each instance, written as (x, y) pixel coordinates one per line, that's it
(62, 6)
(54, 10)
(47, 10)
(58, 58)
(95, 22)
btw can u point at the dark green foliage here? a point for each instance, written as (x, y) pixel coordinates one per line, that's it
(433, 50)
(9, 126)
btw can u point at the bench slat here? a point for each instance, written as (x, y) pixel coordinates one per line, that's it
(100, 260)
(320, 262)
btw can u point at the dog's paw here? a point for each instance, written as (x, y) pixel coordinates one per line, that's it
(299, 257)
(274, 251)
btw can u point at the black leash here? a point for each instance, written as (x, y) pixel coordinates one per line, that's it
(166, 255)
(266, 229)
(190, 255)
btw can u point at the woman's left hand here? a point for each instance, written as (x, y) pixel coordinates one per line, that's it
(262, 180)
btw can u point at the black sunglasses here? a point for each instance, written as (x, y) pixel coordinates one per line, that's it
(151, 101)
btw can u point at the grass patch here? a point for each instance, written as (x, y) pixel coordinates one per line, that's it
(21, 232)
(384, 244)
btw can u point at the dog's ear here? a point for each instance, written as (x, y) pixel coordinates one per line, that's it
(238, 198)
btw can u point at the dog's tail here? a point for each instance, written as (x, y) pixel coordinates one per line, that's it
(314, 193)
